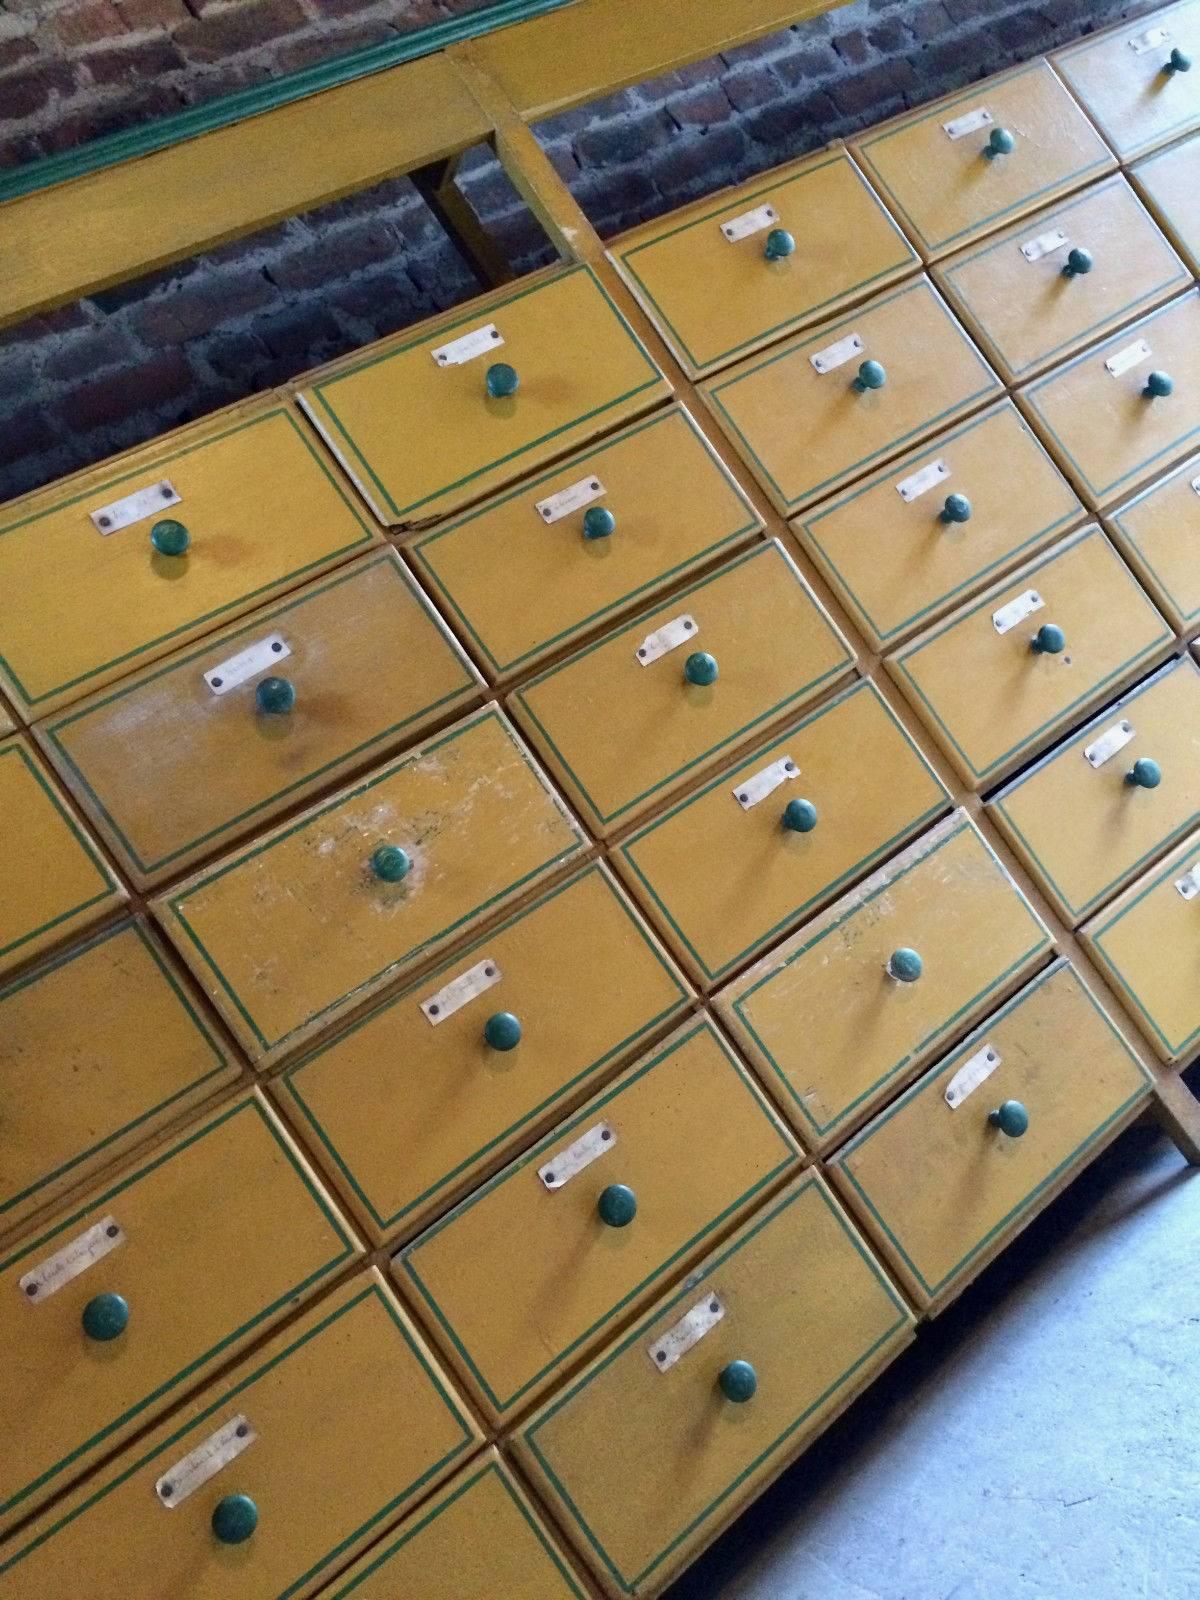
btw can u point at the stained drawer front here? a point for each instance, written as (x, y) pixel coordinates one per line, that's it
(736, 270)
(1103, 415)
(942, 1188)
(291, 931)
(54, 883)
(1062, 278)
(413, 1104)
(846, 1012)
(1158, 533)
(631, 718)
(1003, 675)
(98, 602)
(823, 409)
(578, 369)
(918, 536)
(345, 1421)
(1113, 796)
(950, 176)
(1169, 182)
(526, 573)
(645, 1459)
(529, 1272)
(204, 1246)
(720, 878)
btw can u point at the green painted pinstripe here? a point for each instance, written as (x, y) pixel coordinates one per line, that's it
(1104, 123)
(1137, 551)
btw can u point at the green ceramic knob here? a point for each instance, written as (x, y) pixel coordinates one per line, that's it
(956, 509)
(170, 538)
(598, 522)
(779, 244)
(800, 816)
(739, 1382)
(1144, 774)
(1011, 1118)
(1158, 386)
(234, 1518)
(1049, 640)
(700, 668)
(502, 380)
(617, 1205)
(502, 1031)
(1001, 143)
(871, 375)
(1078, 264)
(905, 965)
(274, 696)
(391, 863)
(1177, 61)
(106, 1317)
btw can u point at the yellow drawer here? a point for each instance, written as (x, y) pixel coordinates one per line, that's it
(579, 368)
(1003, 675)
(801, 244)
(299, 926)
(182, 759)
(1060, 1061)
(807, 429)
(933, 168)
(1169, 182)
(1062, 278)
(216, 1238)
(845, 1013)
(721, 880)
(414, 1104)
(347, 1420)
(642, 1466)
(891, 546)
(1128, 82)
(54, 883)
(263, 510)
(522, 583)
(1157, 531)
(626, 721)
(1106, 431)
(1084, 823)
(533, 1270)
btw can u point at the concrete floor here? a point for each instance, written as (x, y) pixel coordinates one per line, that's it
(1040, 1441)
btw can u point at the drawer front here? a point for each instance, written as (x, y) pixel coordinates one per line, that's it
(1083, 820)
(527, 1273)
(806, 430)
(946, 189)
(714, 298)
(95, 606)
(1157, 532)
(78, 1085)
(1127, 80)
(1105, 430)
(644, 1462)
(54, 883)
(892, 547)
(521, 583)
(842, 1015)
(348, 1421)
(720, 880)
(408, 1109)
(289, 933)
(988, 688)
(1061, 1059)
(579, 370)
(1169, 182)
(1063, 277)
(217, 1237)
(631, 718)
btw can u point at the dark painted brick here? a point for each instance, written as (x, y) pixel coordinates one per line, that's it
(90, 352)
(200, 306)
(875, 92)
(334, 255)
(853, 48)
(929, 20)
(806, 66)
(611, 145)
(306, 52)
(683, 165)
(139, 14)
(123, 392)
(705, 107)
(890, 36)
(26, 431)
(752, 86)
(93, 121)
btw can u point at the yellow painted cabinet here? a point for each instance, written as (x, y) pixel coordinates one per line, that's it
(920, 535)
(534, 569)
(311, 919)
(124, 562)
(946, 1176)
(532, 1270)
(105, 1316)
(732, 867)
(426, 423)
(846, 1012)
(626, 721)
(332, 1428)
(824, 408)
(185, 757)
(1003, 675)
(1158, 532)
(6, 721)
(734, 271)
(416, 1102)
(1136, 80)
(1169, 182)
(953, 171)
(674, 1428)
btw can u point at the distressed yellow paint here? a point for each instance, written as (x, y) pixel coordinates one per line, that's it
(1156, 532)
(1169, 182)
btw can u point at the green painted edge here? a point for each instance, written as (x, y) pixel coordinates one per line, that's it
(1137, 551)
(1061, 62)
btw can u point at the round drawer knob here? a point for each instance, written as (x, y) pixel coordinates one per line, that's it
(1158, 386)
(391, 863)
(234, 1518)
(1078, 264)
(905, 965)
(617, 1205)
(598, 522)
(956, 509)
(871, 375)
(700, 668)
(1049, 640)
(1011, 1118)
(800, 816)
(1177, 61)
(106, 1317)
(739, 1382)
(1144, 774)
(502, 1031)
(274, 696)
(1000, 143)
(170, 538)
(779, 244)
(502, 380)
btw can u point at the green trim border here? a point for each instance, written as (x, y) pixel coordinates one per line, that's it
(1061, 59)
(1137, 551)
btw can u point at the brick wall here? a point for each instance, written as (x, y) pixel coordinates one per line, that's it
(119, 367)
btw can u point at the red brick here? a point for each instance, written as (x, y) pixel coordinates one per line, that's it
(126, 391)
(147, 58)
(246, 26)
(335, 256)
(94, 121)
(88, 22)
(201, 306)
(142, 14)
(89, 353)
(29, 89)
(307, 52)
(13, 51)
(701, 108)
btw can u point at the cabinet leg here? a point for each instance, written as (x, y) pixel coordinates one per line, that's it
(1178, 1112)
